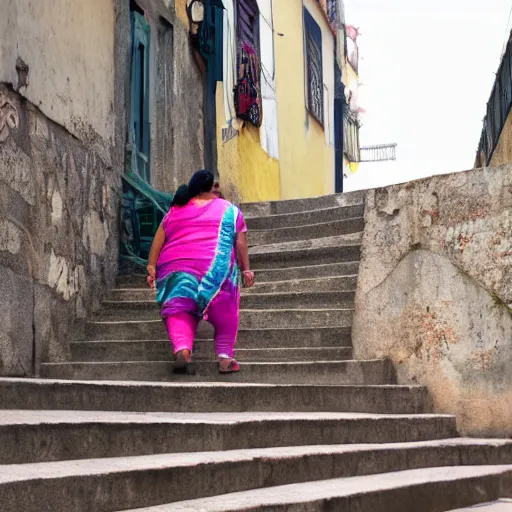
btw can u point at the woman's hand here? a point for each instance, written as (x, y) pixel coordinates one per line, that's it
(248, 278)
(151, 275)
(154, 253)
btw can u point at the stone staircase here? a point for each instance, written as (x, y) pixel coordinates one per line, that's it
(303, 426)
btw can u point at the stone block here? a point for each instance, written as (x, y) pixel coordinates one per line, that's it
(16, 324)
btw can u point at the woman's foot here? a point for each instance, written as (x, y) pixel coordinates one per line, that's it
(228, 365)
(181, 361)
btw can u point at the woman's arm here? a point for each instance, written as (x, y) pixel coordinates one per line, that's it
(242, 253)
(156, 247)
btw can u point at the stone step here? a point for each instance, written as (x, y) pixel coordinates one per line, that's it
(417, 476)
(339, 269)
(324, 284)
(45, 436)
(134, 280)
(210, 397)
(257, 338)
(269, 318)
(305, 218)
(420, 490)
(263, 276)
(350, 372)
(315, 243)
(303, 297)
(299, 300)
(312, 231)
(272, 257)
(249, 318)
(303, 205)
(160, 350)
(504, 505)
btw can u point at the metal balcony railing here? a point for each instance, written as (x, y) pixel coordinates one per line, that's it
(378, 153)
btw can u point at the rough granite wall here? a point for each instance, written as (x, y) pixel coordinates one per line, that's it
(63, 87)
(58, 235)
(435, 291)
(64, 93)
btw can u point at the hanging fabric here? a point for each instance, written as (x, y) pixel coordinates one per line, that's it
(247, 90)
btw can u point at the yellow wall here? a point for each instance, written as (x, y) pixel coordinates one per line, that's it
(306, 149)
(181, 11)
(503, 152)
(246, 172)
(306, 163)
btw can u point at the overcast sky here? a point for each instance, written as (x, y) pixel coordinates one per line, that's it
(427, 70)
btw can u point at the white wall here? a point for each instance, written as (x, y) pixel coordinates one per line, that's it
(69, 48)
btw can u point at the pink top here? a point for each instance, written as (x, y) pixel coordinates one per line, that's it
(192, 234)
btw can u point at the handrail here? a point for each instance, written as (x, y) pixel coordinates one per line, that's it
(142, 211)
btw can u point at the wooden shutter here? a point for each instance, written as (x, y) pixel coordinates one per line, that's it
(248, 23)
(314, 71)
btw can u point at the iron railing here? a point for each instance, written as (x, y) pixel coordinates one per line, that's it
(498, 109)
(142, 211)
(378, 153)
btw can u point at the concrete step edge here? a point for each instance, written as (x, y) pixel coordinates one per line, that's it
(122, 384)
(341, 492)
(356, 198)
(323, 265)
(502, 505)
(305, 212)
(306, 279)
(348, 220)
(309, 363)
(13, 417)
(327, 293)
(142, 277)
(321, 244)
(101, 466)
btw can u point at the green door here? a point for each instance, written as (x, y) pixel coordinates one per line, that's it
(139, 133)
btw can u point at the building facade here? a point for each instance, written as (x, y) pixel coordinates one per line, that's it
(284, 83)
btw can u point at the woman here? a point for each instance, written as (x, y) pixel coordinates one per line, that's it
(194, 261)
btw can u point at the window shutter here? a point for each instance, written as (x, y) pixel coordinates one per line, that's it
(314, 71)
(248, 23)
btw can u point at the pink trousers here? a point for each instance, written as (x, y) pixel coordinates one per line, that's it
(222, 314)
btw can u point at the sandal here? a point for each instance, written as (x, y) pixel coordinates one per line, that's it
(228, 366)
(181, 363)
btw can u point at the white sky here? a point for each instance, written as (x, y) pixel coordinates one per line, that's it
(427, 71)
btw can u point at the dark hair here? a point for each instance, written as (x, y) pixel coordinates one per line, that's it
(201, 181)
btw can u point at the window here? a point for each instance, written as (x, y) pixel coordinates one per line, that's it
(314, 72)
(247, 90)
(248, 23)
(139, 111)
(351, 137)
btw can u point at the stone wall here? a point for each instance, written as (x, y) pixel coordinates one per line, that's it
(435, 291)
(65, 85)
(58, 235)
